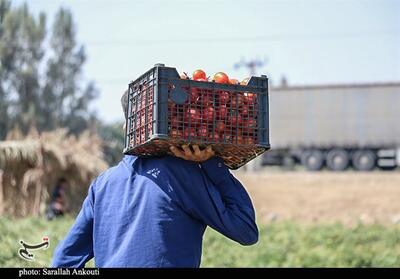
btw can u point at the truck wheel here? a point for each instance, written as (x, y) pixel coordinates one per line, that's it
(364, 160)
(337, 159)
(288, 163)
(313, 160)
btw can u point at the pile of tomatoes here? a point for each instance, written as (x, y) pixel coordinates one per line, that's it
(219, 77)
(215, 116)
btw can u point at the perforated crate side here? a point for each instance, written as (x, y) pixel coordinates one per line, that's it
(168, 84)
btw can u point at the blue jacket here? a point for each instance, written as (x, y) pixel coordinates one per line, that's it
(152, 212)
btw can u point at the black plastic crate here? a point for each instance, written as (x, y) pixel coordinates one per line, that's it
(165, 110)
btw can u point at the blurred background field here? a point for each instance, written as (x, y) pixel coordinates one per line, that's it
(305, 219)
(281, 244)
(314, 197)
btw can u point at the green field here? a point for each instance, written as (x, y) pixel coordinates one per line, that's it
(281, 244)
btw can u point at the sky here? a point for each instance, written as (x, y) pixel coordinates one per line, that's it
(307, 41)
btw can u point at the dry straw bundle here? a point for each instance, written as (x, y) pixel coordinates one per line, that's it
(30, 166)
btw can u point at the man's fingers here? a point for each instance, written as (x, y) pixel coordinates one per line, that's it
(187, 150)
(209, 150)
(174, 150)
(196, 155)
(177, 152)
(196, 150)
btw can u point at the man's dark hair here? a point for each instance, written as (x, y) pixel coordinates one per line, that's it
(124, 103)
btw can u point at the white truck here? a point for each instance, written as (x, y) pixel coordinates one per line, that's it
(335, 126)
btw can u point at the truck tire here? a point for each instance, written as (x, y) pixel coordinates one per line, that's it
(313, 160)
(337, 160)
(364, 160)
(288, 162)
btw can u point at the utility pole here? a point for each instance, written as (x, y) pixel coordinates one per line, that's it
(252, 66)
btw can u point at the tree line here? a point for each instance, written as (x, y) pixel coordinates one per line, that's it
(41, 77)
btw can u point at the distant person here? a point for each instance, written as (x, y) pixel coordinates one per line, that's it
(152, 212)
(57, 206)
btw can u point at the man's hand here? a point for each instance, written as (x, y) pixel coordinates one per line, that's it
(196, 155)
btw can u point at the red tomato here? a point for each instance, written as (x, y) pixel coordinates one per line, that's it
(221, 77)
(214, 138)
(209, 114)
(248, 140)
(244, 111)
(174, 121)
(250, 98)
(222, 112)
(235, 120)
(237, 100)
(193, 115)
(250, 125)
(227, 137)
(233, 81)
(189, 133)
(223, 97)
(202, 79)
(206, 100)
(251, 110)
(199, 74)
(203, 132)
(245, 81)
(238, 139)
(243, 122)
(194, 94)
(176, 133)
(220, 126)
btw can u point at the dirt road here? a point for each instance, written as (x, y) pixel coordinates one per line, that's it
(348, 197)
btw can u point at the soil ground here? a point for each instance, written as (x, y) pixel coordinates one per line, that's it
(348, 197)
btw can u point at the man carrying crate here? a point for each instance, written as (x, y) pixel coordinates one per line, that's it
(152, 212)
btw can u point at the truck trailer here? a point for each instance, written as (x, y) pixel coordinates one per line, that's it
(335, 126)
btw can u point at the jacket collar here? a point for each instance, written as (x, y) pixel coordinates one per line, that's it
(130, 159)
